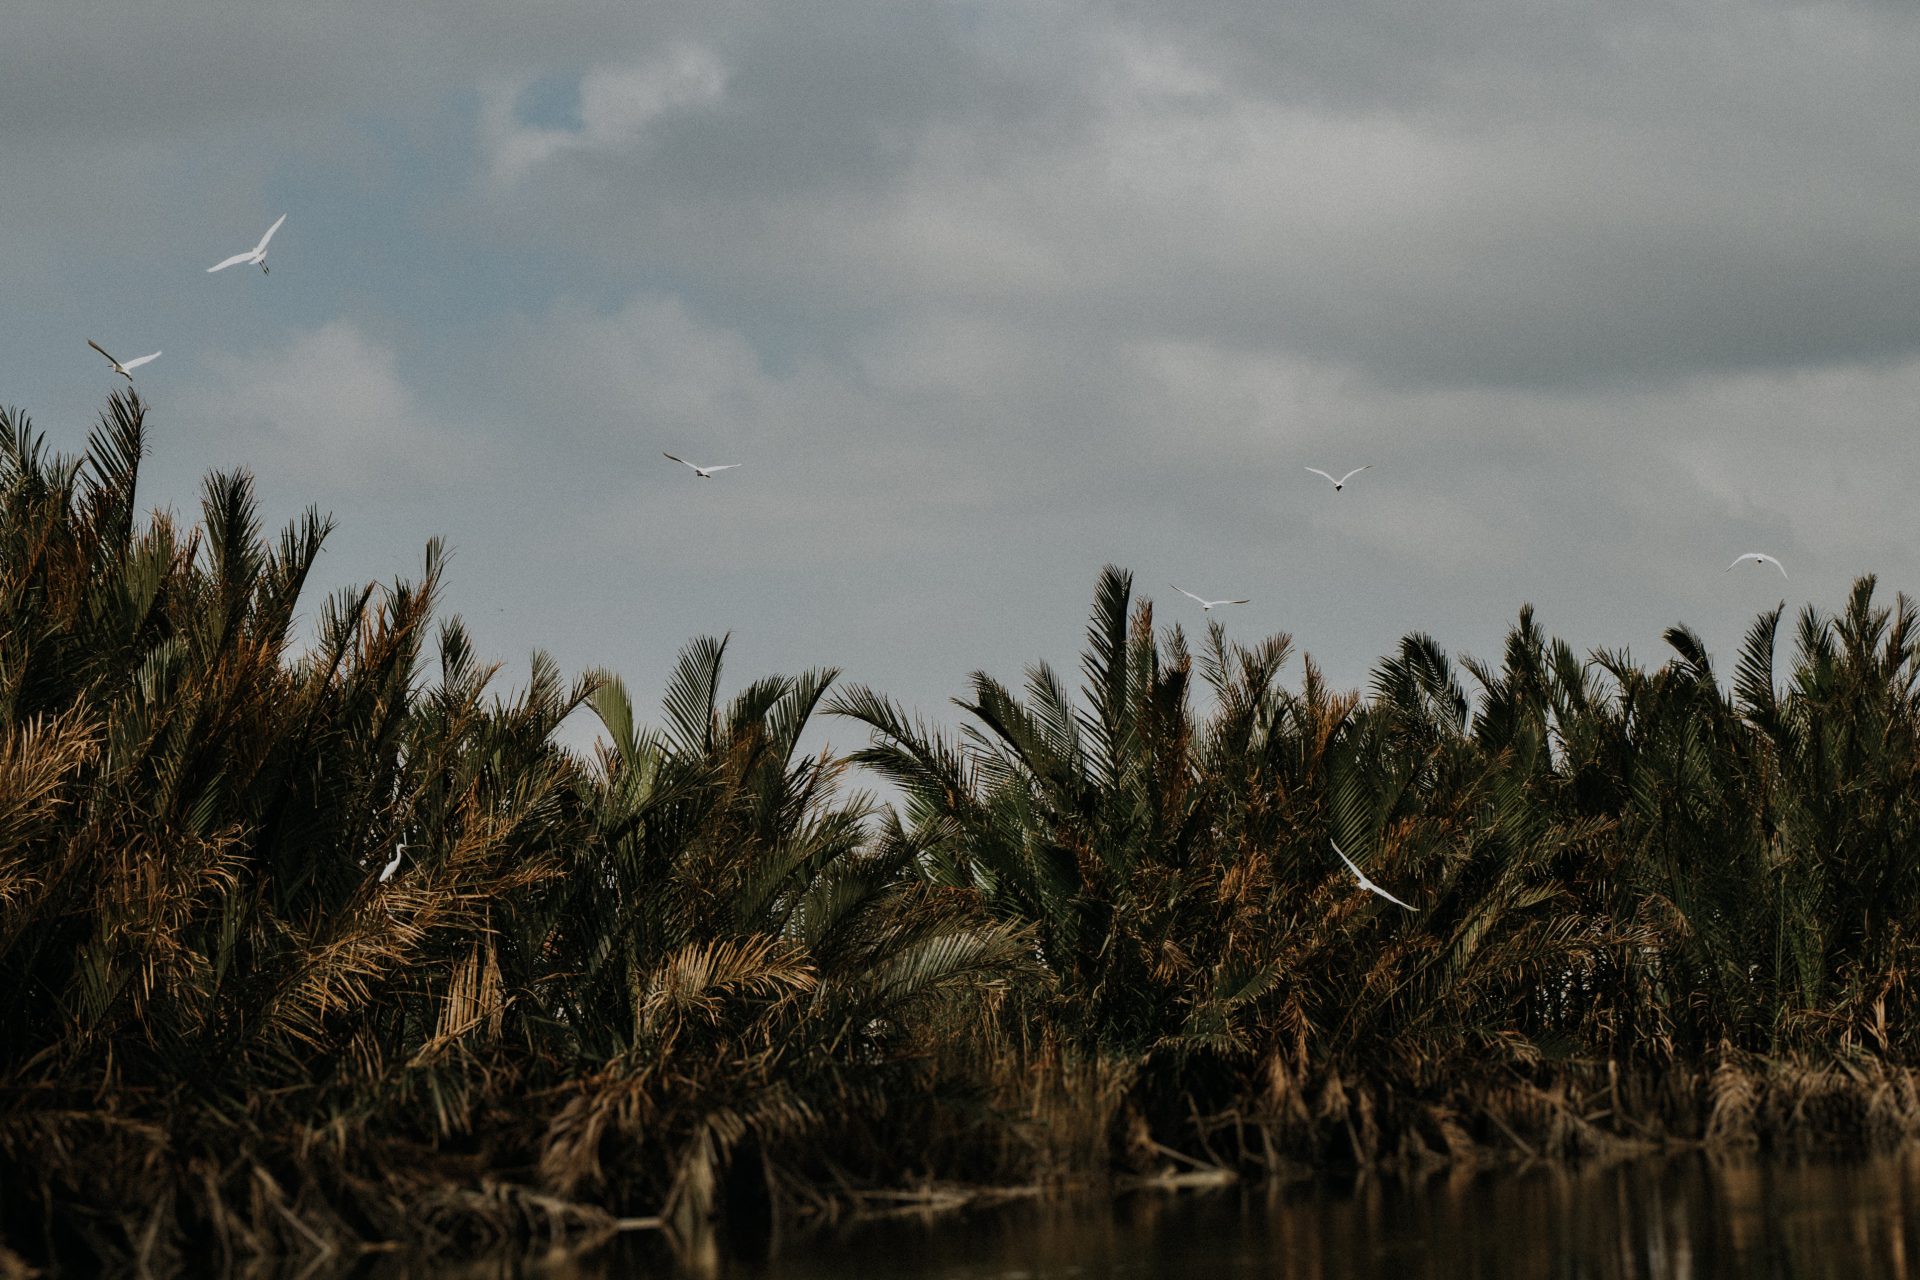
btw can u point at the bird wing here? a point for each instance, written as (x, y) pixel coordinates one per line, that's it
(1248, 600)
(724, 467)
(234, 261)
(1351, 474)
(1757, 555)
(262, 246)
(135, 364)
(1365, 883)
(1389, 897)
(1349, 861)
(1323, 475)
(1188, 594)
(102, 350)
(682, 461)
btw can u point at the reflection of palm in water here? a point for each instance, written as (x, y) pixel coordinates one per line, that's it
(1653, 1218)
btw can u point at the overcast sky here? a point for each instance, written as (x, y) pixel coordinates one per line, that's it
(984, 295)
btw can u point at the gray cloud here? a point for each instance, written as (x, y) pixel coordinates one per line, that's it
(1629, 195)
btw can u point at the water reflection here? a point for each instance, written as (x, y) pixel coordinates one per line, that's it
(1666, 1219)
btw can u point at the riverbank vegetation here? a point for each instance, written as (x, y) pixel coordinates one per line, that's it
(696, 975)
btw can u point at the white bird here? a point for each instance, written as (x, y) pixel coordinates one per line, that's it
(1365, 883)
(386, 872)
(705, 473)
(1758, 557)
(1206, 606)
(254, 257)
(1341, 483)
(124, 370)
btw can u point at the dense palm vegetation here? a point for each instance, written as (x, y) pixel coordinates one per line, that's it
(588, 979)
(692, 975)
(1619, 873)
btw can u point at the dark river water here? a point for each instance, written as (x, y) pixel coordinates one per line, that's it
(1656, 1218)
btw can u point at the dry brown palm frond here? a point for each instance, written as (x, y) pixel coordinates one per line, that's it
(474, 996)
(37, 759)
(15, 1267)
(1733, 1101)
(1893, 1106)
(148, 904)
(486, 1214)
(1283, 1095)
(570, 1148)
(699, 977)
(692, 1196)
(334, 975)
(36, 755)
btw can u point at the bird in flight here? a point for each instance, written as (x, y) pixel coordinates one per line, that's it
(256, 256)
(705, 473)
(1206, 606)
(1341, 483)
(124, 370)
(1758, 557)
(386, 872)
(1365, 883)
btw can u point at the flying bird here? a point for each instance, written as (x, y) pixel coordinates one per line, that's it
(124, 370)
(386, 872)
(1341, 483)
(1758, 557)
(705, 473)
(1365, 883)
(1206, 606)
(254, 257)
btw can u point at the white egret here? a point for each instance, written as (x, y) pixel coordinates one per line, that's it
(386, 872)
(1206, 606)
(1365, 883)
(1758, 557)
(124, 370)
(705, 473)
(1341, 483)
(254, 257)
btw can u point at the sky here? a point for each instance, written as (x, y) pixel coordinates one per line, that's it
(984, 295)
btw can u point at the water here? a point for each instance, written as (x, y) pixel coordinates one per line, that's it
(1659, 1219)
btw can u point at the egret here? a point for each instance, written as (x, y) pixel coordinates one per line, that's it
(1341, 483)
(705, 473)
(1758, 557)
(1365, 883)
(1206, 606)
(124, 370)
(256, 256)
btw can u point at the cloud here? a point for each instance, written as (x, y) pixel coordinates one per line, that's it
(617, 104)
(224, 65)
(1640, 192)
(327, 410)
(827, 459)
